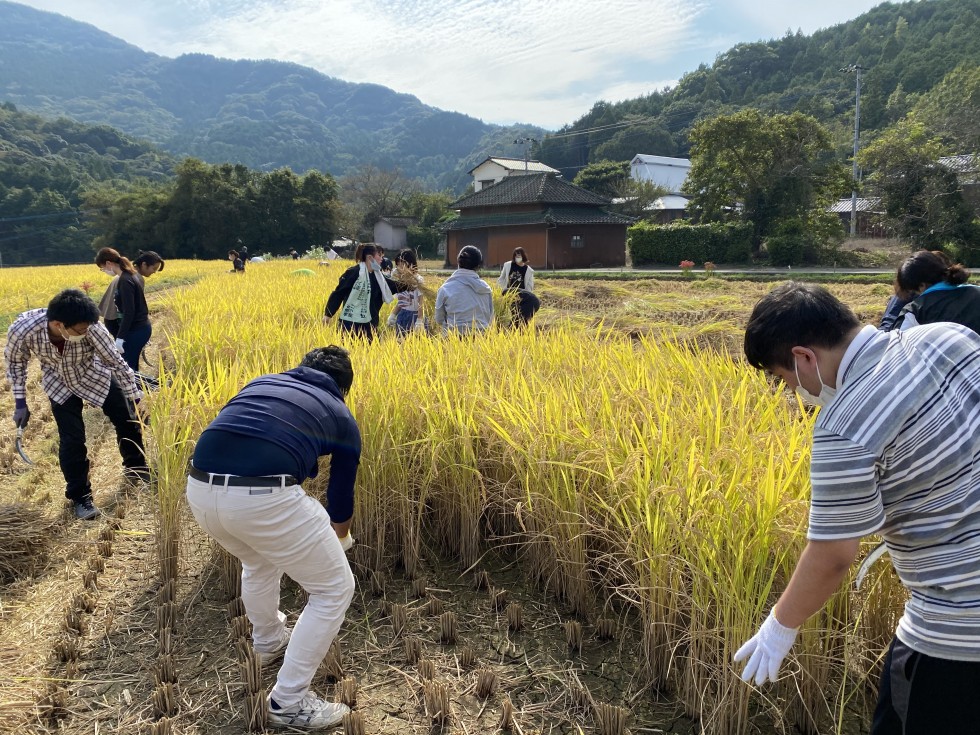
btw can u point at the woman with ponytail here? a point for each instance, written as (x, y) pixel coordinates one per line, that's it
(134, 328)
(939, 292)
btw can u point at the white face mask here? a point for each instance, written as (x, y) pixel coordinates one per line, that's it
(108, 271)
(518, 260)
(827, 393)
(72, 337)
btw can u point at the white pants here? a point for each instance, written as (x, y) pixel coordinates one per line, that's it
(284, 531)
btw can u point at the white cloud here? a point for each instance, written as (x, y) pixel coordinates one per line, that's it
(538, 61)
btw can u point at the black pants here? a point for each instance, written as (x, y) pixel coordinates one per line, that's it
(358, 329)
(922, 695)
(526, 305)
(135, 342)
(72, 453)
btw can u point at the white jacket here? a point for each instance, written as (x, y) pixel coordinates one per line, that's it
(505, 277)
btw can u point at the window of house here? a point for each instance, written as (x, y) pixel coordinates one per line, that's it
(484, 183)
(578, 241)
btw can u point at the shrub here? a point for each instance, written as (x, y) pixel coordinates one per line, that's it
(668, 244)
(786, 247)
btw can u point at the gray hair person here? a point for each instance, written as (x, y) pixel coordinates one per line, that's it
(464, 303)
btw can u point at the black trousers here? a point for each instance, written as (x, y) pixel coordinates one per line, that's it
(923, 695)
(73, 454)
(358, 329)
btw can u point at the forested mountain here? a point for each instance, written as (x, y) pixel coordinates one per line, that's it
(50, 170)
(906, 49)
(263, 114)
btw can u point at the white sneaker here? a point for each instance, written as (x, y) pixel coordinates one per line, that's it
(270, 657)
(310, 713)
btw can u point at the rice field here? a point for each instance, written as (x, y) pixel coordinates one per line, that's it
(567, 530)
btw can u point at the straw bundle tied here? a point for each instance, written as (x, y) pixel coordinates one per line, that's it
(26, 539)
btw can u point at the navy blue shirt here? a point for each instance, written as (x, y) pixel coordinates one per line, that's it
(281, 425)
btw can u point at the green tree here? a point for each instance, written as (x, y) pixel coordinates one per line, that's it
(604, 177)
(761, 169)
(951, 109)
(922, 199)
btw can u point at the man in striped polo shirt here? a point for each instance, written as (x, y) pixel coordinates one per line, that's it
(896, 451)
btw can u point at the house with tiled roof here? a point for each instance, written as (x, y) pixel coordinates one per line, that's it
(391, 233)
(495, 169)
(558, 224)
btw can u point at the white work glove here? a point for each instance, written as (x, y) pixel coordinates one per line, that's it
(766, 650)
(119, 344)
(346, 542)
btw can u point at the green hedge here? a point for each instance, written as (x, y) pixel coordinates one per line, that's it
(670, 244)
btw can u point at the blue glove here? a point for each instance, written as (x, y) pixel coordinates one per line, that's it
(119, 344)
(21, 413)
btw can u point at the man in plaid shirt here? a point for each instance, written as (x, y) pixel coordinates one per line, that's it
(79, 362)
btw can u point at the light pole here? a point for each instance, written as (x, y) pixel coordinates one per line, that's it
(527, 142)
(856, 69)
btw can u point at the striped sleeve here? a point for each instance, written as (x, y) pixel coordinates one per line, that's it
(846, 501)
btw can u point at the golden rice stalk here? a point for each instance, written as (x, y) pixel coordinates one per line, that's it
(515, 616)
(105, 549)
(240, 627)
(96, 564)
(26, 539)
(467, 657)
(353, 723)
(231, 574)
(85, 602)
(413, 649)
(53, 704)
(506, 715)
(161, 727)
(74, 621)
(167, 616)
(498, 598)
(427, 669)
(168, 541)
(447, 628)
(167, 592)
(399, 619)
(605, 629)
(377, 584)
(66, 648)
(347, 691)
(573, 635)
(235, 608)
(481, 580)
(419, 589)
(109, 532)
(434, 607)
(610, 719)
(256, 710)
(437, 704)
(487, 682)
(165, 671)
(165, 641)
(90, 579)
(251, 667)
(333, 667)
(165, 700)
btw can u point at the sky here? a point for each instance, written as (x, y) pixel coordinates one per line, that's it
(544, 62)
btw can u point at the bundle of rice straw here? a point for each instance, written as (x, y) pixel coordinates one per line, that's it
(27, 535)
(408, 277)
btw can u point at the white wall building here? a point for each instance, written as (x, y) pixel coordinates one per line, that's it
(391, 233)
(667, 172)
(495, 168)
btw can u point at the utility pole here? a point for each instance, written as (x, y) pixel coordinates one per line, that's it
(856, 69)
(527, 142)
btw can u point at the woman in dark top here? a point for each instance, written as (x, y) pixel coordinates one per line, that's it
(517, 275)
(939, 292)
(361, 290)
(134, 316)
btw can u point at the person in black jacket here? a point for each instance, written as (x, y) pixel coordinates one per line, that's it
(238, 265)
(939, 291)
(361, 290)
(134, 316)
